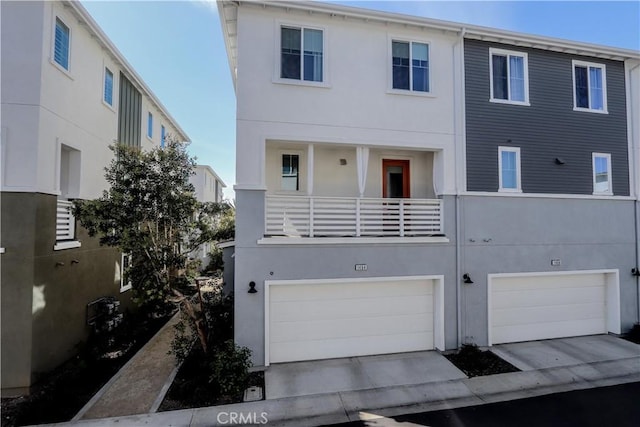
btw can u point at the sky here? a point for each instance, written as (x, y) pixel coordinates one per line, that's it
(178, 49)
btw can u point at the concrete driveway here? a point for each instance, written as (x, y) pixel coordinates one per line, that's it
(357, 373)
(534, 355)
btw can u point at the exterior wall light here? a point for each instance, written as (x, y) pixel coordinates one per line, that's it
(252, 288)
(466, 278)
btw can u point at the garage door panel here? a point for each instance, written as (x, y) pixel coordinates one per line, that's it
(344, 309)
(326, 320)
(549, 330)
(548, 282)
(325, 349)
(547, 306)
(526, 315)
(346, 290)
(339, 328)
(548, 297)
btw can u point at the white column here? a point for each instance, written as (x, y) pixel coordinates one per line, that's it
(310, 170)
(362, 159)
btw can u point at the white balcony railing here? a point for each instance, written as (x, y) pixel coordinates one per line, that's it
(65, 221)
(352, 217)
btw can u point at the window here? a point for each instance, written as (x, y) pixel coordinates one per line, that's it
(150, 125)
(61, 45)
(162, 135)
(509, 76)
(410, 63)
(290, 171)
(602, 173)
(589, 82)
(125, 281)
(509, 169)
(108, 87)
(301, 54)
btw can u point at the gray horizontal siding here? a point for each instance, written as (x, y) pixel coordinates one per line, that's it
(546, 129)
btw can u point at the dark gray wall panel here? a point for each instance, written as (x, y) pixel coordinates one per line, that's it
(546, 129)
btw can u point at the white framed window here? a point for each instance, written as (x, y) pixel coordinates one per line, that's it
(107, 96)
(509, 169)
(410, 66)
(163, 134)
(509, 76)
(61, 44)
(125, 264)
(150, 125)
(301, 53)
(290, 172)
(589, 87)
(602, 173)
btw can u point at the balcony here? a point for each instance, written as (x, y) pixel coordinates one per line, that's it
(323, 217)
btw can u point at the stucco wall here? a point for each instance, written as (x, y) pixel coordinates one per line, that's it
(345, 110)
(525, 234)
(258, 263)
(45, 292)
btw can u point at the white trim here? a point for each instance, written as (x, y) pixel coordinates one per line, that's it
(525, 60)
(518, 188)
(602, 67)
(438, 303)
(612, 299)
(609, 173)
(228, 244)
(302, 25)
(543, 195)
(404, 39)
(66, 245)
(123, 287)
(356, 241)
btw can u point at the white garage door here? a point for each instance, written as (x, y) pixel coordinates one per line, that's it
(540, 307)
(309, 321)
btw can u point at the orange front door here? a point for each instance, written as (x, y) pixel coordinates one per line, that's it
(395, 179)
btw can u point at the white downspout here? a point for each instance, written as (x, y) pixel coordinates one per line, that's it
(458, 111)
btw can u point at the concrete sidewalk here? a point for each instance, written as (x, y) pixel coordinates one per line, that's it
(609, 361)
(141, 384)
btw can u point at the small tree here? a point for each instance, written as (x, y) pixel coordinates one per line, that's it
(150, 213)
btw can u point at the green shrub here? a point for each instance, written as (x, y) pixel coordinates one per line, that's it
(229, 369)
(215, 261)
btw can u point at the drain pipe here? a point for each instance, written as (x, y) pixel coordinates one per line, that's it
(634, 134)
(459, 111)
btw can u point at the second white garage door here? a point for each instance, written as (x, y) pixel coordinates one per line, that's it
(342, 318)
(532, 307)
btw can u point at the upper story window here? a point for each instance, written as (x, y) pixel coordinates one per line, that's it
(162, 136)
(590, 86)
(108, 87)
(509, 76)
(61, 44)
(410, 62)
(602, 173)
(290, 172)
(301, 54)
(509, 169)
(150, 125)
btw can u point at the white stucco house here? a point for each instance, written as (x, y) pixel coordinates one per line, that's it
(209, 187)
(67, 94)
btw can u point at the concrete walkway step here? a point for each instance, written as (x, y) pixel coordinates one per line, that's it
(140, 385)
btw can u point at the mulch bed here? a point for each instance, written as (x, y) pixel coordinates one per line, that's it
(59, 395)
(633, 335)
(475, 362)
(191, 388)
